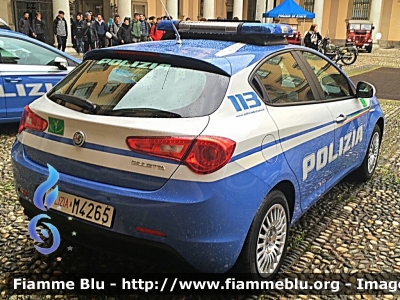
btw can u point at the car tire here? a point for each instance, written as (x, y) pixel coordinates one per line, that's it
(368, 166)
(369, 49)
(257, 260)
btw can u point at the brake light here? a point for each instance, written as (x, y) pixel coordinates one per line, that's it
(203, 155)
(30, 120)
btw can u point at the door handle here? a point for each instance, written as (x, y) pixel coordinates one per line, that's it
(13, 80)
(341, 119)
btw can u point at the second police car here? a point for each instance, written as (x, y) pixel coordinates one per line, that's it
(211, 146)
(28, 69)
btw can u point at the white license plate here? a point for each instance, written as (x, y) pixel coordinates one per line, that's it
(83, 208)
(291, 35)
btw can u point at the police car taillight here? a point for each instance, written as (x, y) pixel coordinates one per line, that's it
(203, 155)
(30, 120)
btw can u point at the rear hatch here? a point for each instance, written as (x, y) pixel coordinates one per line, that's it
(126, 120)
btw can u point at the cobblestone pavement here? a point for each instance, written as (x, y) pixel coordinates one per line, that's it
(353, 229)
(378, 58)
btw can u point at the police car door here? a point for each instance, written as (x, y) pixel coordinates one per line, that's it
(304, 123)
(28, 71)
(350, 115)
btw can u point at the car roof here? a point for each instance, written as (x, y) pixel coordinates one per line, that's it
(21, 36)
(231, 57)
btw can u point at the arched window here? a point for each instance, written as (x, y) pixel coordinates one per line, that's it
(309, 5)
(361, 9)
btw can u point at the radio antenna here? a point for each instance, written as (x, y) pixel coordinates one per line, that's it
(178, 37)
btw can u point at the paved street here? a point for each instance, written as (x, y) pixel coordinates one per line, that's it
(353, 229)
(386, 80)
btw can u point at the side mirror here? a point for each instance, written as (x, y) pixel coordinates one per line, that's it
(61, 63)
(373, 27)
(365, 90)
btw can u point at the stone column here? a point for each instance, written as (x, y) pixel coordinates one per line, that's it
(260, 9)
(172, 7)
(208, 9)
(64, 6)
(124, 9)
(375, 16)
(238, 9)
(319, 13)
(270, 5)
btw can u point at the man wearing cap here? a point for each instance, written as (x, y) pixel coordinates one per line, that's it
(60, 28)
(90, 37)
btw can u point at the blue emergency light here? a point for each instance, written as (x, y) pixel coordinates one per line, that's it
(226, 28)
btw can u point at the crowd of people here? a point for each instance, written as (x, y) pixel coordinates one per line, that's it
(90, 31)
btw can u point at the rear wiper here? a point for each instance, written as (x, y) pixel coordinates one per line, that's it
(78, 101)
(142, 112)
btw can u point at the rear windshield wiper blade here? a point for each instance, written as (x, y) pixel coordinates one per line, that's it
(142, 112)
(78, 101)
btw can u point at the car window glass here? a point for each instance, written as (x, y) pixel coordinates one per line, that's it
(121, 87)
(15, 51)
(284, 80)
(333, 83)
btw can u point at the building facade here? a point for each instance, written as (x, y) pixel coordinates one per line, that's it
(331, 15)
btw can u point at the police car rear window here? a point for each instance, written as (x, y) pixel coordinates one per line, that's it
(121, 87)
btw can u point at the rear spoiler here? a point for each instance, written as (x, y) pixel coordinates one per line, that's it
(217, 65)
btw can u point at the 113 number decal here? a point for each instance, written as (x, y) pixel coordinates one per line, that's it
(245, 101)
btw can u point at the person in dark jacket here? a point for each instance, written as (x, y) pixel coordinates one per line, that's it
(90, 37)
(124, 33)
(145, 29)
(312, 37)
(39, 27)
(25, 26)
(77, 33)
(101, 29)
(113, 29)
(60, 28)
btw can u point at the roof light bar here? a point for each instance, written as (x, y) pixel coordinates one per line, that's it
(266, 29)
(227, 28)
(209, 27)
(167, 25)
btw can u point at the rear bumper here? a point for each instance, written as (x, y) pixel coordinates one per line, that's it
(106, 241)
(205, 222)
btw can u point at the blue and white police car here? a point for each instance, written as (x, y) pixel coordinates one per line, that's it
(28, 69)
(210, 146)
